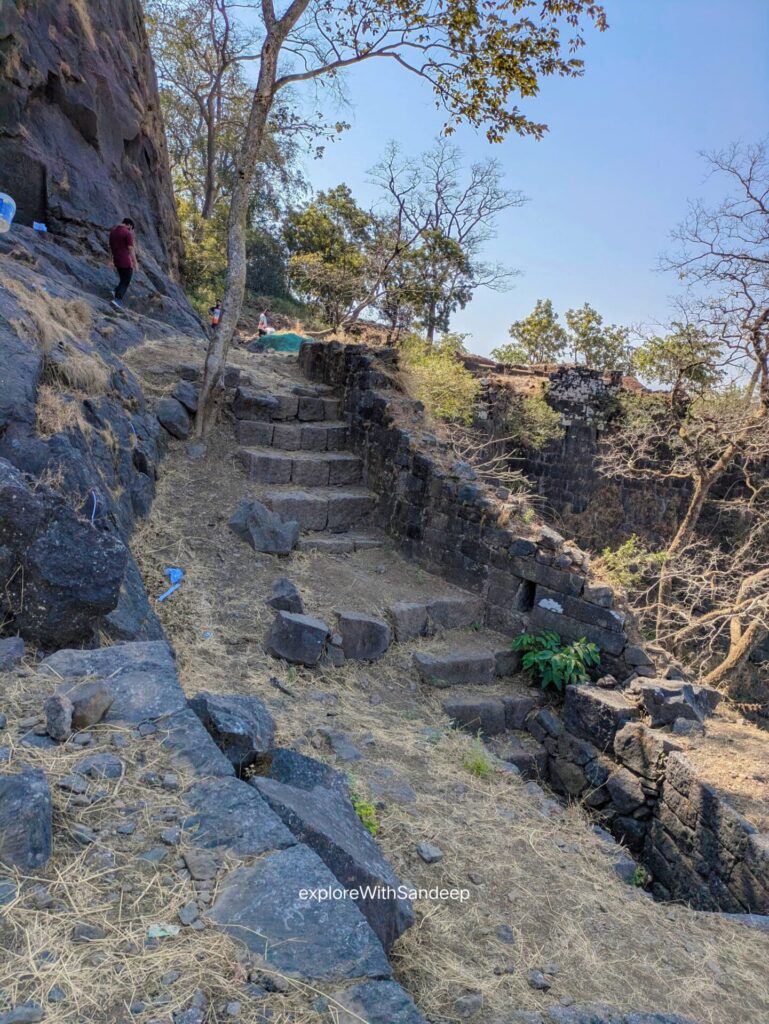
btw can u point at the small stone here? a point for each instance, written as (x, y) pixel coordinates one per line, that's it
(101, 766)
(170, 977)
(538, 981)
(58, 715)
(475, 877)
(232, 1009)
(467, 1006)
(40, 898)
(88, 933)
(171, 836)
(154, 856)
(429, 854)
(3, 721)
(126, 829)
(189, 913)
(72, 783)
(83, 739)
(170, 782)
(506, 934)
(56, 994)
(27, 1013)
(118, 740)
(201, 864)
(551, 969)
(688, 727)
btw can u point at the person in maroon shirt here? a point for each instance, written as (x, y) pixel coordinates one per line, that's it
(123, 248)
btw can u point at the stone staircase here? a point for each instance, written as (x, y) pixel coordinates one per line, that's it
(294, 445)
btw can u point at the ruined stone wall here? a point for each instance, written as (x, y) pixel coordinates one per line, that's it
(455, 528)
(695, 844)
(596, 510)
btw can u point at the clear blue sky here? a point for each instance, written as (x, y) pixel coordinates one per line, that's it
(668, 79)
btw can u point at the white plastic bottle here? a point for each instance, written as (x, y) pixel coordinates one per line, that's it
(7, 212)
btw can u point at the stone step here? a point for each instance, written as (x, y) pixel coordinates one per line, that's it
(341, 544)
(466, 667)
(306, 469)
(252, 404)
(322, 508)
(293, 436)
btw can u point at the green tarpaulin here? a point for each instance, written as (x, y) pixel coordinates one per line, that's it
(284, 342)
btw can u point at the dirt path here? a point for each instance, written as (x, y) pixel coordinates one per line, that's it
(542, 889)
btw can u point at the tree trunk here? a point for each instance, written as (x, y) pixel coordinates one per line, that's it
(682, 537)
(235, 286)
(738, 653)
(209, 191)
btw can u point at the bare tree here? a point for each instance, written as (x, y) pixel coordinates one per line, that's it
(474, 56)
(446, 216)
(710, 432)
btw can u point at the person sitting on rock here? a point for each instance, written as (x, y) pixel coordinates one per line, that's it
(123, 248)
(216, 314)
(264, 327)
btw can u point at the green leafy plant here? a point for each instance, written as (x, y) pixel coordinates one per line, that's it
(476, 761)
(627, 565)
(366, 812)
(640, 877)
(554, 663)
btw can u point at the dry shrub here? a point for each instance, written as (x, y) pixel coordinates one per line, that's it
(56, 413)
(82, 371)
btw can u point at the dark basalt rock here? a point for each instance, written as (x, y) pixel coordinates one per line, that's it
(241, 726)
(26, 821)
(72, 572)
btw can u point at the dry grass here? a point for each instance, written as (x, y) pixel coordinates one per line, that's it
(56, 413)
(84, 372)
(54, 319)
(543, 871)
(106, 885)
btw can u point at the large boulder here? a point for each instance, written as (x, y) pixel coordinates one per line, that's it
(173, 416)
(595, 714)
(26, 820)
(665, 700)
(364, 637)
(229, 813)
(284, 597)
(298, 770)
(325, 820)
(262, 529)
(241, 726)
(283, 908)
(60, 575)
(299, 639)
(377, 1002)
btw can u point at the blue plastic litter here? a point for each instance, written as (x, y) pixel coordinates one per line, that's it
(37, 226)
(175, 577)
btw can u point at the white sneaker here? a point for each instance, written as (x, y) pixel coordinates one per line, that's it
(116, 303)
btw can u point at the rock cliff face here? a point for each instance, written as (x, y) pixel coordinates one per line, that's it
(81, 146)
(81, 138)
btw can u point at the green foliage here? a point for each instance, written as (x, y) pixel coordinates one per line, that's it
(528, 517)
(366, 812)
(627, 565)
(553, 663)
(477, 762)
(685, 356)
(640, 876)
(538, 338)
(435, 377)
(598, 345)
(328, 242)
(528, 421)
